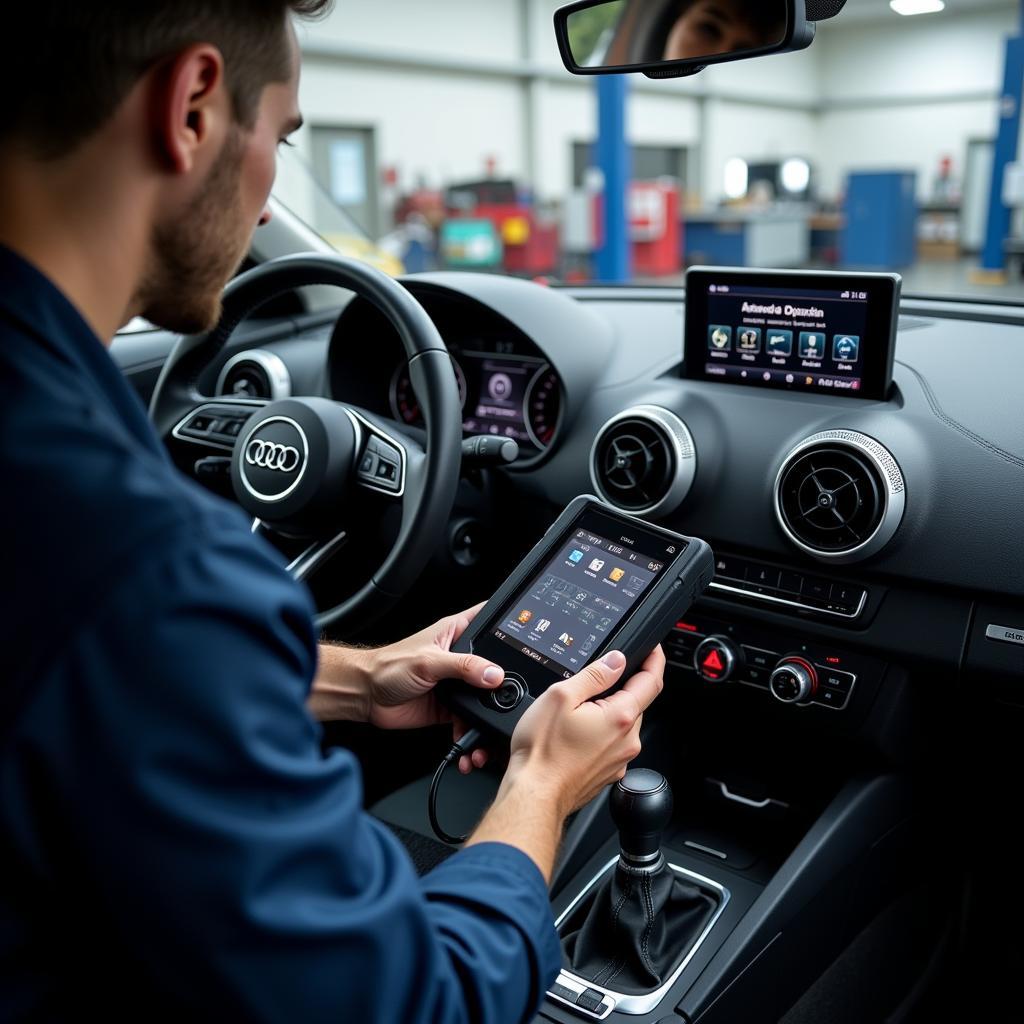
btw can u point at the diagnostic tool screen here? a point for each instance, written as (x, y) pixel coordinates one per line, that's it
(583, 594)
(790, 332)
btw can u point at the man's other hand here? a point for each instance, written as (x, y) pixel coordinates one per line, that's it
(392, 687)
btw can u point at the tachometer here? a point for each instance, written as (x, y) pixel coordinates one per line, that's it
(542, 407)
(404, 404)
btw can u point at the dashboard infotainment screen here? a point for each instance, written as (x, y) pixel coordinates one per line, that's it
(826, 333)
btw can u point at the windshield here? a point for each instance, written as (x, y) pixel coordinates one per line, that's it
(297, 187)
(449, 135)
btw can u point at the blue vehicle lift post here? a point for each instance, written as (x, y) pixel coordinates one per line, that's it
(613, 263)
(993, 257)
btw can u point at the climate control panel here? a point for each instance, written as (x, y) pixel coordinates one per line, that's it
(788, 669)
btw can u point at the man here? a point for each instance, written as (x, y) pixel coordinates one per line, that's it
(649, 31)
(174, 843)
(706, 27)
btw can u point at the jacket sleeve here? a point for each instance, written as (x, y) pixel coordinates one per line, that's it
(228, 853)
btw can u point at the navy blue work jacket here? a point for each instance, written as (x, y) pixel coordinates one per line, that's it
(173, 843)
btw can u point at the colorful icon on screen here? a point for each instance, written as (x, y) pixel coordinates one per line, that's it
(812, 345)
(779, 343)
(616, 574)
(525, 615)
(845, 348)
(566, 640)
(749, 340)
(719, 337)
(576, 555)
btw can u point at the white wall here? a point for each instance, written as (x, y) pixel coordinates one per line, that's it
(784, 77)
(912, 91)
(914, 57)
(900, 138)
(481, 29)
(443, 128)
(843, 103)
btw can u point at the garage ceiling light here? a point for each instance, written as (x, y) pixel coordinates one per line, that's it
(917, 6)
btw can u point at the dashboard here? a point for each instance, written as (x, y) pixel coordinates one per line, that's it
(918, 560)
(507, 383)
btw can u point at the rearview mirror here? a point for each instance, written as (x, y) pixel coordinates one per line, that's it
(672, 38)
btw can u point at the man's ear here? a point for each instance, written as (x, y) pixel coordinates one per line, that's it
(190, 106)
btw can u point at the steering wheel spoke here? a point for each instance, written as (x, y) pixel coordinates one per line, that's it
(386, 463)
(212, 426)
(304, 565)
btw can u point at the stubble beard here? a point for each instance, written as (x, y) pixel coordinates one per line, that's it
(194, 257)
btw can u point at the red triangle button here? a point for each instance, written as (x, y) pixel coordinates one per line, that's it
(713, 662)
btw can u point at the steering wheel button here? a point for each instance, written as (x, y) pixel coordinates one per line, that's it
(369, 464)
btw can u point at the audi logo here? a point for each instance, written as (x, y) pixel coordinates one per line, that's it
(269, 455)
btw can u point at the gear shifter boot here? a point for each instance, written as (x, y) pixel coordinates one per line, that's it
(637, 930)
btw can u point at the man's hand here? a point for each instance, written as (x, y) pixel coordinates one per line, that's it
(393, 687)
(565, 750)
(578, 744)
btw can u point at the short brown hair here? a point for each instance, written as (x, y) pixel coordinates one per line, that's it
(66, 65)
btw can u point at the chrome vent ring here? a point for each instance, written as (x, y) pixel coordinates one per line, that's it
(840, 496)
(643, 460)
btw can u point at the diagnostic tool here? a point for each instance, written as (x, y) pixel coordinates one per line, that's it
(597, 581)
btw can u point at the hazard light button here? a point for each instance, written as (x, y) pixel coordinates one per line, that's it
(716, 659)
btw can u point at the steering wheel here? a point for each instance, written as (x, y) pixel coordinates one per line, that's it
(298, 462)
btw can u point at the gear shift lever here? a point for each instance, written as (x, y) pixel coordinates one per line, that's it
(641, 807)
(644, 918)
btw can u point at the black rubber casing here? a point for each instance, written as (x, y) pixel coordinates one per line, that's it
(680, 583)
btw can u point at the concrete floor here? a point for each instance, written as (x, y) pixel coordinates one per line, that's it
(952, 278)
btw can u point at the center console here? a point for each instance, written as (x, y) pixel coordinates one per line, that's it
(786, 837)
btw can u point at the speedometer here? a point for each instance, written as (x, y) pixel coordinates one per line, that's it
(404, 404)
(542, 407)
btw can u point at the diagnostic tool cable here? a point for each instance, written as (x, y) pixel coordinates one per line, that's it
(464, 745)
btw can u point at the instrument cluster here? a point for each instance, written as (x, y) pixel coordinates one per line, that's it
(503, 391)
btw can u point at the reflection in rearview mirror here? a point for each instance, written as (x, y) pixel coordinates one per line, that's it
(624, 33)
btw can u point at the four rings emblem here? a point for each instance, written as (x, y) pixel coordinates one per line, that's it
(280, 458)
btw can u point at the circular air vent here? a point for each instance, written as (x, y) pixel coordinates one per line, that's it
(839, 495)
(643, 460)
(254, 374)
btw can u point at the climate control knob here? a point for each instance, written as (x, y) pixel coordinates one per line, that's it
(794, 681)
(716, 659)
